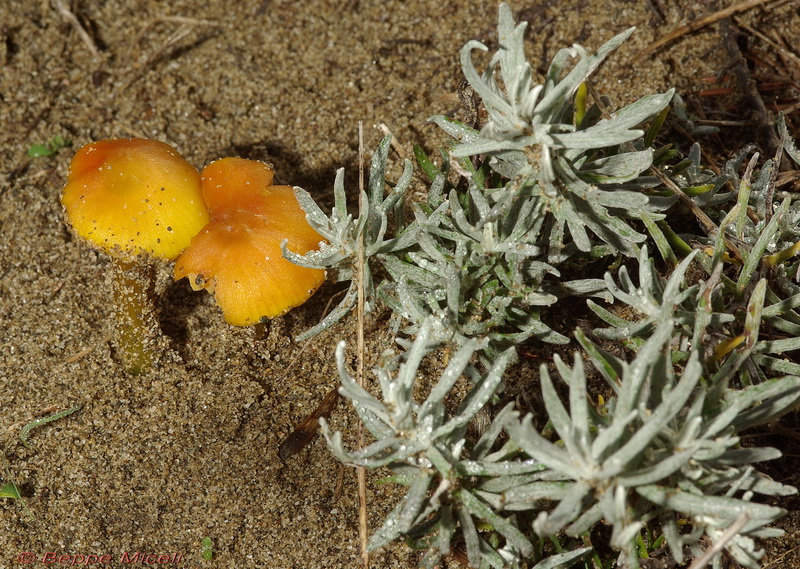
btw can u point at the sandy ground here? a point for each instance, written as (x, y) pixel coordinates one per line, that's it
(154, 464)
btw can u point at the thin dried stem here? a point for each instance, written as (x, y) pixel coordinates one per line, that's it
(88, 349)
(708, 224)
(174, 19)
(73, 21)
(179, 34)
(695, 25)
(186, 27)
(361, 473)
(297, 356)
(395, 144)
(729, 534)
(780, 558)
(782, 51)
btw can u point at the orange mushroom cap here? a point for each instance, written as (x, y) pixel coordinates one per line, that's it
(238, 257)
(130, 196)
(232, 183)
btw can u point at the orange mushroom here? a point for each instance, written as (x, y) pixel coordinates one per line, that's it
(231, 184)
(237, 256)
(137, 200)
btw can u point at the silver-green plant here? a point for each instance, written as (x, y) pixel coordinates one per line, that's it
(453, 257)
(664, 448)
(480, 270)
(486, 255)
(576, 163)
(547, 187)
(427, 448)
(348, 238)
(750, 266)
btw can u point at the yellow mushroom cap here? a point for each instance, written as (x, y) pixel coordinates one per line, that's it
(131, 196)
(238, 258)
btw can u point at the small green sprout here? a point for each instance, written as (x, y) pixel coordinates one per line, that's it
(48, 148)
(208, 548)
(9, 490)
(23, 434)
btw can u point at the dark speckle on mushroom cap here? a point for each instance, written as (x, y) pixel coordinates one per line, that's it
(132, 196)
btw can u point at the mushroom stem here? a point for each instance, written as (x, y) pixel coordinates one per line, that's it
(138, 334)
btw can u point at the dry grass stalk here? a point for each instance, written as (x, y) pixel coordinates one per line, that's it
(360, 471)
(695, 25)
(729, 534)
(187, 25)
(73, 21)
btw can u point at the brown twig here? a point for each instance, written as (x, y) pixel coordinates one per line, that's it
(296, 357)
(695, 25)
(769, 41)
(138, 70)
(780, 558)
(708, 224)
(73, 21)
(773, 176)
